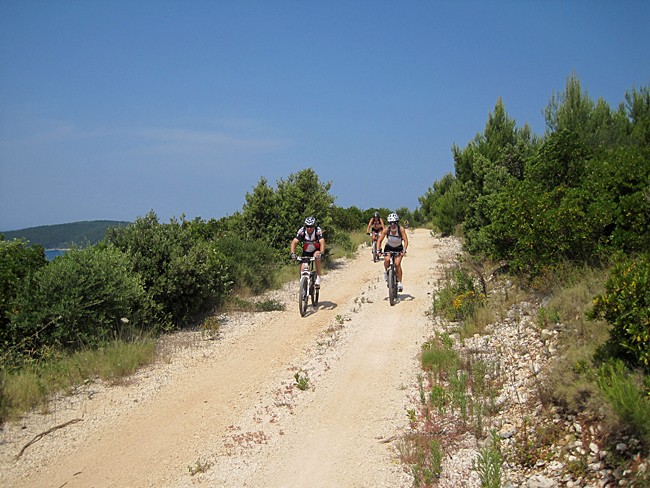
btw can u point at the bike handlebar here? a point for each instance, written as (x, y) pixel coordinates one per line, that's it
(393, 253)
(306, 259)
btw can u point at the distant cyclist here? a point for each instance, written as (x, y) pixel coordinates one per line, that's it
(313, 244)
(396, 241)
(376, 223)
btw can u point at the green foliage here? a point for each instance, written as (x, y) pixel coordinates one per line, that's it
(439, 357)
(488, 463)
(302, 381)
(638, 108)
(560, 161)
(489, 163)
(251, 263)
(36, 382)
(627, 398)
(348, 219)
(626, 306)
(63, 236)
(579, 194)
(460, 298)
(424, 455)
(184, 274)
(82, 299)
(274, 215)
(443, 205)
(569, 110)
(19, 261)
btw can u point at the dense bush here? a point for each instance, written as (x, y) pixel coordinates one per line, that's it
(460, 298)
(626, 306)
(251, 263)
(348, 219)
(579, 194)
(184, 273)
(81, 299)
(19, 260)
(274, 215)
(442, 204)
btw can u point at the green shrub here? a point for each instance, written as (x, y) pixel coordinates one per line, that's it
(459, 299)
(19, 260)
(626, 305)
(184, 273)
(627, 398)
(81, 299)
(252, 263)
(488, 463)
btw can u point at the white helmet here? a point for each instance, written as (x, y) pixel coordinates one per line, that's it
(310, 221)
(393, 218)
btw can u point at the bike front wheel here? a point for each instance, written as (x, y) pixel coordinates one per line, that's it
(303, 295)
(313, 290)
(314, 297)
(392, 286)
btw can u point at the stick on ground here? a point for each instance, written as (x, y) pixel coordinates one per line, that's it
(43, 434)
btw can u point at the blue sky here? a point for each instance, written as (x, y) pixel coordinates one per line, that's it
(109, 109)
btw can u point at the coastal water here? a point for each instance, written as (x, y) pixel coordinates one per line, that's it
(50, 254)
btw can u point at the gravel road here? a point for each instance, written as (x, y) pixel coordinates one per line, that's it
(229, 413)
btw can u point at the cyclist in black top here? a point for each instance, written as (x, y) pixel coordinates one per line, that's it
(376, 223)
(397, 241)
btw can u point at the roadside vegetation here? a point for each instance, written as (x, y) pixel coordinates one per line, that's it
(559, 224)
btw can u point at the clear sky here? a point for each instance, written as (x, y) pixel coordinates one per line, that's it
(112, 108)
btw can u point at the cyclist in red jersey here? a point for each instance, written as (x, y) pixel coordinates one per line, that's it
(313, 244)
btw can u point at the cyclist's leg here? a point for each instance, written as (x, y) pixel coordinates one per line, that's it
(398, 267)
(386, 265)
(318, 267)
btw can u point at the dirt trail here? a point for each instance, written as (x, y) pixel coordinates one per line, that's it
(228, 412)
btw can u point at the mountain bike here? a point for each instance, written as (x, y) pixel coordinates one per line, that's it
(392, 277)
(375, 253)
(307, 288)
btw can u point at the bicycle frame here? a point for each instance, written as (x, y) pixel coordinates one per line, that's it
(392, 276)
(374, 235)
(307, 284)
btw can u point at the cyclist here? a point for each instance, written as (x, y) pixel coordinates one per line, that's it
(313, 244)
(397, 241)
(376, 223)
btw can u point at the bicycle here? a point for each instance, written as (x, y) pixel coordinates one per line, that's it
(307, 284)
(392, 277)
(375, 252)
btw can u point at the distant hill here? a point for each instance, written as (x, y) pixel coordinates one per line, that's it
(63, 236)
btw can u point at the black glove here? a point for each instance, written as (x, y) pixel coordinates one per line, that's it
(293, 255)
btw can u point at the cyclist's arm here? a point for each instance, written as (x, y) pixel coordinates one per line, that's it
(294, 243)
(380, 238)
(368, 228)
(321, 241)
(405, 238)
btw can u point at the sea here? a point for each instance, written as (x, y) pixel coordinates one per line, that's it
(50, 254)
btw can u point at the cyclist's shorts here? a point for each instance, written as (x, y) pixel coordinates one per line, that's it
(308, 254)
(388, 248)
